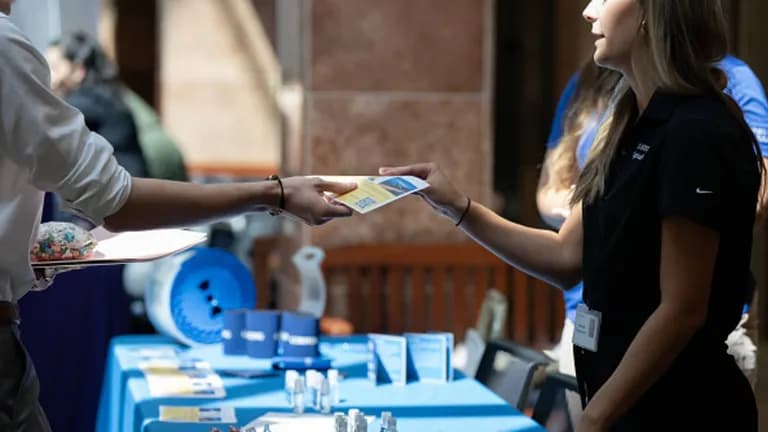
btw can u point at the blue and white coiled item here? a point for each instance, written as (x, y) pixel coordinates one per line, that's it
(187, 294)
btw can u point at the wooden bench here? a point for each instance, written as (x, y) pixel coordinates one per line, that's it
(393, 288)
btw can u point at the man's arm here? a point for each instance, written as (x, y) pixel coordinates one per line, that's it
(162, 203)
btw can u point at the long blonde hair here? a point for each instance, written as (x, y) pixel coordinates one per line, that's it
(685, 39)
(594, 88)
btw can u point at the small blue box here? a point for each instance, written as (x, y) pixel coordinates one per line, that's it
(298, 335)
(231, 332)
(261, 331)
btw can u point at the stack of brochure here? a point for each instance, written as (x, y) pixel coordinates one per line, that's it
(422, 357)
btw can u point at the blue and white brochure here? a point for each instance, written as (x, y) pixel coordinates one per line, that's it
(388, 361)
(427, 357)
(449, 352)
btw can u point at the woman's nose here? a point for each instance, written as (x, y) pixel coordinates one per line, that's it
(590, 12)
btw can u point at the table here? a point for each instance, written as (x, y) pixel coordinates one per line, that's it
(464, 404)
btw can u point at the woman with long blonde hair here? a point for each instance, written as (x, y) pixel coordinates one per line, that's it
(664, 210)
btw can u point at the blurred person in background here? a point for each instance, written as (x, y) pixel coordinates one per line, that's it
(84, 75)
(85, 78)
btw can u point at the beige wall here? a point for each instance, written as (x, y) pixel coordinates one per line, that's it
(218, 83)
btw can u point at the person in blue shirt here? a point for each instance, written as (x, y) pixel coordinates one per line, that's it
(575, 126)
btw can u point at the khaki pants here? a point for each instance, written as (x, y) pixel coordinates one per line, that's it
(20, 410)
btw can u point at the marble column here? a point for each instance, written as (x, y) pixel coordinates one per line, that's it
(398, 82)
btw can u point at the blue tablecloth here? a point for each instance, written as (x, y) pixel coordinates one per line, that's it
(464, 404)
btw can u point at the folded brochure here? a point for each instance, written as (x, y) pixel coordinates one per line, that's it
(374, 192)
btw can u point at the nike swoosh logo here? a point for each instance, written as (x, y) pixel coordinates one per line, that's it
(701, 191)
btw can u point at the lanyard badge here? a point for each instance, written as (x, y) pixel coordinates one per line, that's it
(587, 328)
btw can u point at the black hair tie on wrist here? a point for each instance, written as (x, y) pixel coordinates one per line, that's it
(466, 210)
(281, 205)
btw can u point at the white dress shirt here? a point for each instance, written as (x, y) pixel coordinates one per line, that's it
(44, 146)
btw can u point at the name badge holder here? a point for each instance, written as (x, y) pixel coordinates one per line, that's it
(586, 332)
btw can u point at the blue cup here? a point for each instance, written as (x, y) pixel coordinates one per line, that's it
(299, 335)
(261, 330)
(231, 332)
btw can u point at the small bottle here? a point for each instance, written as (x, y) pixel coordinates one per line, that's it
(318, 386)
(297, 398)
(340, 422)
(325, 397)
(333, 382)
(388, 422)
(352, 416)
(313, 398)
(361, 424)
(290, 379)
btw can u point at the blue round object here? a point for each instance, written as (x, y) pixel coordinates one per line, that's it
(207, 283)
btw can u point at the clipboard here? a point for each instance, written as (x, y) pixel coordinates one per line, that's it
(133, 246)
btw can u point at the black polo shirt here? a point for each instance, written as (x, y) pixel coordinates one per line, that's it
(686, 156)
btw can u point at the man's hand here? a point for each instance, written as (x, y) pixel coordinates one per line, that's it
(305, 198)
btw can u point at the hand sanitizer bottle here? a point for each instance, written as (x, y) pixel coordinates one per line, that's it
(352, 418)
(388, 422)
(290, 379)
(297, 399)
(361, 424)
(325, 397)
(340, 422)
(313, 389)
(333, 382)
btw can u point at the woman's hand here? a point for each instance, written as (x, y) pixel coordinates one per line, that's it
(305, 198)
(441, 194)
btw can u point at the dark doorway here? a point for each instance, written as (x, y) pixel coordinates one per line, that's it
(522, 102)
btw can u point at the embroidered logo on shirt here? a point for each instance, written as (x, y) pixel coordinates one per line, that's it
(701, 191)
(640, 151)
(761, 134)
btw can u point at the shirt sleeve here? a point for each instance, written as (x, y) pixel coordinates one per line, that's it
(748, 92)
(42, 134)
(558, 122)
(691, 173)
